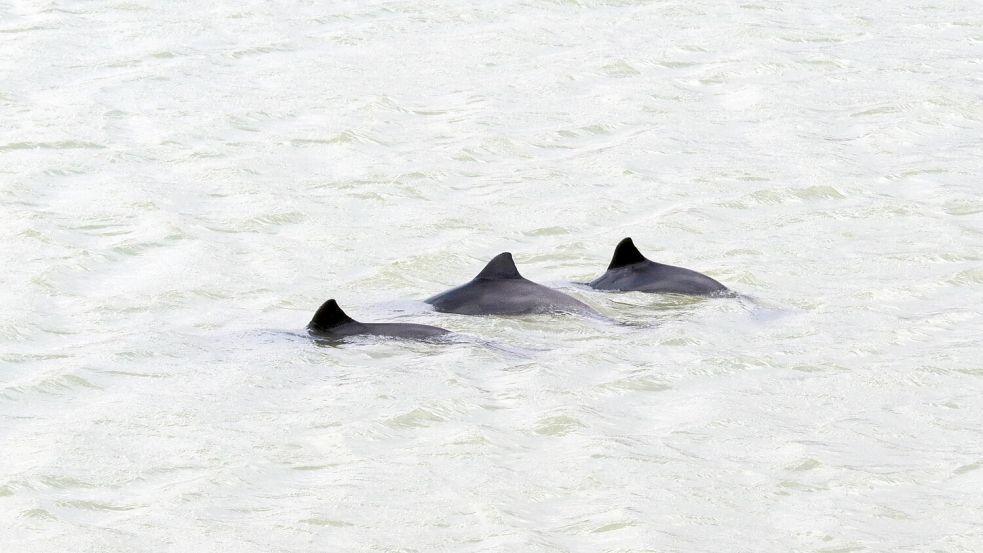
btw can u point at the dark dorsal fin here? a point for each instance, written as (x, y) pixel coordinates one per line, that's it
(501, 266)
(625, 254)
(329, 316)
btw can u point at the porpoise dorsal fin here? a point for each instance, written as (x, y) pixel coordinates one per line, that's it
(329, 315)
(500, 267)
(625, 253)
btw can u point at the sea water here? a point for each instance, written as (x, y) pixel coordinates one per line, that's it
(183, 183)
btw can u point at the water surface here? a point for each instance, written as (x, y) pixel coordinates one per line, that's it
(182, 184)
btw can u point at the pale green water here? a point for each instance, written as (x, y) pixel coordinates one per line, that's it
(181, 185)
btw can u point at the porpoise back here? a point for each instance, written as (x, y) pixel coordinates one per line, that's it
(631, 271)
(499, 289)
(331, 322)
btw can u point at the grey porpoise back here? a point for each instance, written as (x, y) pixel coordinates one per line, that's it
(631, 271)
(499, 289)
(331, 322)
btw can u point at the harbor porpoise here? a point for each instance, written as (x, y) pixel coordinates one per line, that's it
(499, 289)
(631, 271)
(331, 322)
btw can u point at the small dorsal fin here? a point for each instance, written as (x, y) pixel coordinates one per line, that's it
(625, 254)
(500, 267)
(329, 315)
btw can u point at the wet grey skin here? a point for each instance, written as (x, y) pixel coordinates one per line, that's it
(631, 271)
(332, 323)
(499, 289)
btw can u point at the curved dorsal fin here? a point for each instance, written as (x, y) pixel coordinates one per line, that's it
(501, 266)
(329, 315)
(625, 254)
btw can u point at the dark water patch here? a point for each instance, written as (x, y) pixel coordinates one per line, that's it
(260, 51)
(15, 30)
(37, 514)
(327, 522)
(95, 506)
(61, 145)
(344, 137)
